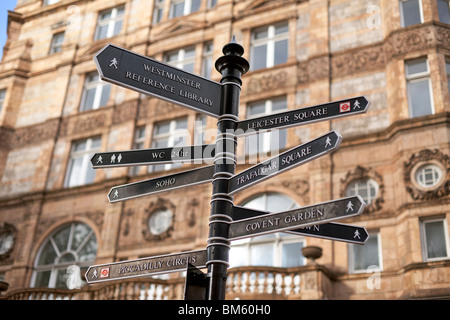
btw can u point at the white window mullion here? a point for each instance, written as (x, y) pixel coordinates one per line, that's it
(270, 46)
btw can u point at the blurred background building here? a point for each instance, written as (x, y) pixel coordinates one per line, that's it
(55, 113)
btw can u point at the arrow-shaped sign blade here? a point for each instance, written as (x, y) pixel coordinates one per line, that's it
(156, 185)
(187, 154)
(140, 73)
(331, 230)
(285, 161)
(145, 266)
(300, 217)
(302, 116)
(335, 231)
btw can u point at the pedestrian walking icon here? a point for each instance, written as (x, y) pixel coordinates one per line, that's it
(349, 206)
(100, 159)
(113, 63)
(328, 142)
(356, 235)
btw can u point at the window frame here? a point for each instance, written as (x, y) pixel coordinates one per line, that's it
(368, 183)
(172, 135)
(351, 254)
(181, 61)
(415, 78)
(55, 267)
(448, 11)
(423, 238)
(270, 41)
(402, 15)
(269, 136)
(277, 240)
(3, 93)
(55, 46)
(110, 22)
(138, 143)
(86, 155)
(187, 8)
(99, 86)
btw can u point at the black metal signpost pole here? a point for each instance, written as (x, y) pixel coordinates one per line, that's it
(232, 66)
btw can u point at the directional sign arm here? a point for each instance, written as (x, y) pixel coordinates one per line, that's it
(145, 266)
(331, 230)
(334, 231)
(140, 73)
(302, 116)
(156, 185)
(285, 161)
(300, 217)
(186, 154)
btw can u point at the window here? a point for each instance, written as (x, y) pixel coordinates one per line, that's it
(207, 60)
(447, 67)
(95, 93)
(79, 170)
(139, 138)
(361, 257)
(419, 88)
(2, 98)
(74, 244)
(411, 12)
(211, 4)
(435, 240)
(428, 175)
(199, 129)
(160, 221)
(366, 188)
(158, 11)
(182, 58)
(109, 23)
(50, 2)
(180, 8)
(279, 249)
(57, 42)
(263, 143)
(166, 134)
(444, 11)
(269, 46)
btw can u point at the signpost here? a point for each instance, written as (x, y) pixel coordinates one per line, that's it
(292, 219)
(227, 222)
(285, 161)
(186, 154)
(137, 72)
(145, 266)
(331, 230)
(156, 185)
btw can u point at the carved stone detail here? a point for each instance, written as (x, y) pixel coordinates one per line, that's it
(160, 203)
(365, 173)
(442, 189)
(267, 82)
(7, 230)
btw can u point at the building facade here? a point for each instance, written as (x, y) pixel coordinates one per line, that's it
(55, 113)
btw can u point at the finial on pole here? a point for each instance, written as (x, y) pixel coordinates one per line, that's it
(233, 52)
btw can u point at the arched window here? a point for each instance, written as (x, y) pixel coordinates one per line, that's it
(73, 244)
(277, 249)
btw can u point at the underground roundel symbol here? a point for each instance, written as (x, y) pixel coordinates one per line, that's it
(104, 272)
(344, 106)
